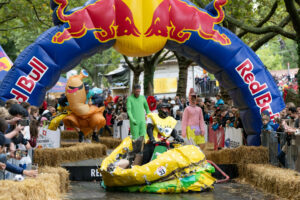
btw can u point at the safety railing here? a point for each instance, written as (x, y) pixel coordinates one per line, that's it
(284, 149)
(207, 88)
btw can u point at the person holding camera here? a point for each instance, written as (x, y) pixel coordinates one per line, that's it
(4, 165)
(16, 126)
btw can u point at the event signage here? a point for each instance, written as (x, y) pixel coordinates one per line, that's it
(262, 101)
(142, 28)
(48, 138)
(27, 83)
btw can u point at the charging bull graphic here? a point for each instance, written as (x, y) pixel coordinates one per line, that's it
(107, 18)
(172, 18)
(141, 28)
(175, 18)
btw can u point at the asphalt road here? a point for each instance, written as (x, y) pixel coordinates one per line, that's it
(226, 191)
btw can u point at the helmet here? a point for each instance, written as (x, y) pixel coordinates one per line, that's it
(162, 113)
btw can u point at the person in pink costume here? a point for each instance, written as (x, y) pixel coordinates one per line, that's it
(193, 122)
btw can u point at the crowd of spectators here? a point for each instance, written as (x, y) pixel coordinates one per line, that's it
(217, 113)
(15, 140)
(285, 82)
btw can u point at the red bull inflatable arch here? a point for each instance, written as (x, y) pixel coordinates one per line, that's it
(141, 28)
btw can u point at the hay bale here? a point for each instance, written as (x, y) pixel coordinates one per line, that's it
(63, 176)
(110, 142)
(282, 182)
(68, 144)
(45, 186)
(240, 155)
(81, 151)
(69, 135)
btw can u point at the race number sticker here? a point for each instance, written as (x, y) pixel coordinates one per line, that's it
(161, 171)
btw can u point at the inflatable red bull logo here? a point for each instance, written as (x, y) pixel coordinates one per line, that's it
(114, 19)
(140, 28)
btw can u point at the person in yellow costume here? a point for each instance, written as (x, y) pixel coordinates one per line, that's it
(159, 128)
(63, 111)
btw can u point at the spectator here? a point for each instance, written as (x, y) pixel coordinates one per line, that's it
(34, 113)
(26, 105)
(49, 113)
(109, 98)
(193, 122)
(4, 113)
(34, 132)
(183, 104)
(152, 104)
(219, 101)
(4, 165)
(293, 115)
(231, 120)
(10, 102)
(267, 129)
(15, 130)
(224, 116)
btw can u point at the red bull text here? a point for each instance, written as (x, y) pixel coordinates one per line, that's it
(264, 100)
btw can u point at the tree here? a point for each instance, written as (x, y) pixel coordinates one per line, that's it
(270, 23)
(99, 64)
(183, 64)
(137, 67)
(150, 64)
(22, 21)
(147, 65)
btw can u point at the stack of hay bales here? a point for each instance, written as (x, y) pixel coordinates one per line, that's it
(69, 135)
(55, 157)
(282, 182)
(240, 155)
(52, 183)
(68, 144)
(63, 176)
(110, 142)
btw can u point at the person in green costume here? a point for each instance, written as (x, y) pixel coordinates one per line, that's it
(136, 107)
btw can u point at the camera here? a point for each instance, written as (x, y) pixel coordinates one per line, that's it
(23, 122)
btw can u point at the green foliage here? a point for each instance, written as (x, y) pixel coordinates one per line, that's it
(10, 49)
(275, 57)
(22, 21)
(100, 64)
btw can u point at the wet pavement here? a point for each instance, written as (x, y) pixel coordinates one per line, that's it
(226, 191)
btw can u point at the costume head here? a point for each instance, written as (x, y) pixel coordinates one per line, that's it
(192, 97)
(151, 103)
(75, 93)
(163, 110)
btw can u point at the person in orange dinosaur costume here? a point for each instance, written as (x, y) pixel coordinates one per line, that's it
(84, 118)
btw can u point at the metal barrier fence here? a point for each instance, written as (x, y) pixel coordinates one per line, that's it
(207, 88)
(282, 147)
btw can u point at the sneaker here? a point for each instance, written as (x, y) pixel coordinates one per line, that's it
(81, 137)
